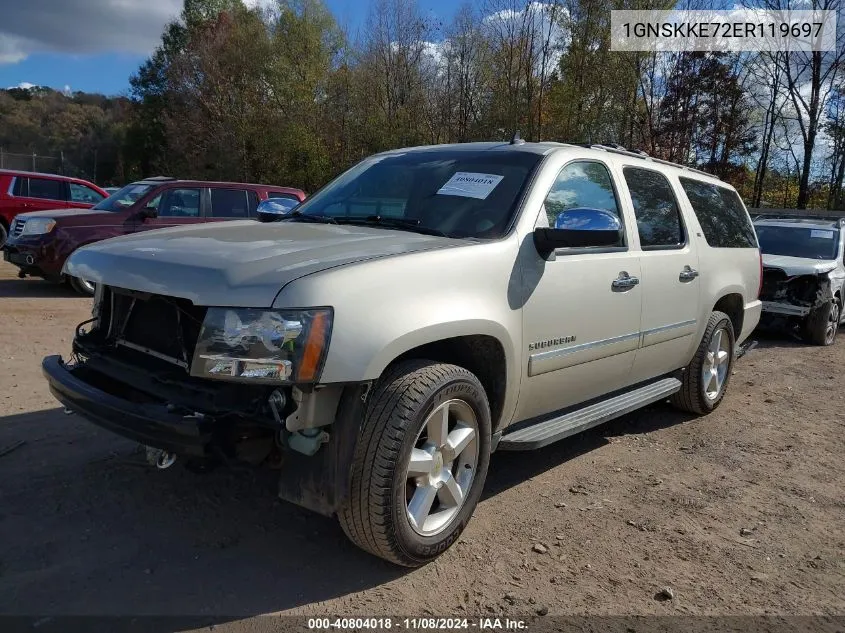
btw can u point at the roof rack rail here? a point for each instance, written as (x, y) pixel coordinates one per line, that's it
(615, 148)
(160, 178)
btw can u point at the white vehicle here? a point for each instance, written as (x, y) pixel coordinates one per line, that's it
(425, 308)
(803, 274)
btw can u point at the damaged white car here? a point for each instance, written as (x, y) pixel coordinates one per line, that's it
(803, 275)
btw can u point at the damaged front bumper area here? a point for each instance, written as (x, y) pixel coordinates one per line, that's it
(151, 423)
(790, 299)
(129, 373)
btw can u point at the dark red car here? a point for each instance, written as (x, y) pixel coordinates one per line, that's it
(23, 191)
(40, 242)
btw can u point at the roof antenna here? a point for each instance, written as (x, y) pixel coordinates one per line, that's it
(516, 140)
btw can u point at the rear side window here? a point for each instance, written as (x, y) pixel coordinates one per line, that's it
(253, 203)
(658, 218)
(281, 194)
(46, 189)
(229, 203)
(720, 214)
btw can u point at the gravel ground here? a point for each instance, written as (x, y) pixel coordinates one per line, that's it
(737, 513)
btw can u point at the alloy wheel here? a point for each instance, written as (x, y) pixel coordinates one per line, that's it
(716, 363)
(832, 323)
(441, 467)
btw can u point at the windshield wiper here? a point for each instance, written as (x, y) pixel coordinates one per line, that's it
(396, 223)
(307, 217)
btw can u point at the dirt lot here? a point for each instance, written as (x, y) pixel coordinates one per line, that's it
(741, 512)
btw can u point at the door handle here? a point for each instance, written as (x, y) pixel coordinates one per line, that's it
(687, 274)
(624, 281)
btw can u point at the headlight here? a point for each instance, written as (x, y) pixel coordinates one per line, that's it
(262, 346)
(38, 226)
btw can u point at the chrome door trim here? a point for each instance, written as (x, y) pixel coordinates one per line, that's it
(551, 360)
(667, 332)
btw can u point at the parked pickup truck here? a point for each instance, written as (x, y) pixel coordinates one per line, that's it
(803, 275)
(427, 307)
(39, 242)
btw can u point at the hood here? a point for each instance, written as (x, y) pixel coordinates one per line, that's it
(59, 214)
(793, 266)
(243, 263)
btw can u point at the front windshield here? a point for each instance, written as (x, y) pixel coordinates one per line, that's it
(460, 193)
(123, 198)
(807, 242)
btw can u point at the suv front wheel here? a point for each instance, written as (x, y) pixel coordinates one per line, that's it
(83, 286)
(821, 324)
(420, 463)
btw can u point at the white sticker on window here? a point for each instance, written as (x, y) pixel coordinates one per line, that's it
(470, 185)
(820, 233)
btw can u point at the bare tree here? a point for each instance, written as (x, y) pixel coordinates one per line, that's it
(810, 77)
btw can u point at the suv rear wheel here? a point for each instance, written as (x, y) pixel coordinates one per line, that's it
(706, 378)
(822, 324)
(420, 463)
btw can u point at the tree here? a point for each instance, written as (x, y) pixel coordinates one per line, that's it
(810, 77)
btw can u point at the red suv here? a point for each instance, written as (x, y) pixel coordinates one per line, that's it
(40, 242)
(22, 191)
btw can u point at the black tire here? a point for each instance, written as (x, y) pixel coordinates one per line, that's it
(822, 324)
(82, 287)
(4, 234)
(693, 395)
(374, 516)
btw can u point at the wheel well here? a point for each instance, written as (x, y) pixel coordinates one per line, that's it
(732, 305)
(483, 355)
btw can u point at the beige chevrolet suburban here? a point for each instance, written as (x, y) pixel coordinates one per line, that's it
(429, 306)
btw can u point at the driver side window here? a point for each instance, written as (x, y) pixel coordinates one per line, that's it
(180, 203)
(582, 184)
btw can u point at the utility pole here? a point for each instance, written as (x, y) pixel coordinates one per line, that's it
(33, 161)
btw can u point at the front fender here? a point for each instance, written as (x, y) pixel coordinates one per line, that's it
(438, 332)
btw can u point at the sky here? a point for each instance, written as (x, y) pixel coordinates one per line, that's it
(95, 45)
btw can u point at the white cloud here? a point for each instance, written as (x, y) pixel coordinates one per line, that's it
(82, 26)
(540, 17)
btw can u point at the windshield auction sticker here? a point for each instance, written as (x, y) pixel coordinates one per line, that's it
(747, 29)
(470, 185)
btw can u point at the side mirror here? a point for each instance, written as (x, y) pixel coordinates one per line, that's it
(151, 209)
(578, 228)
(274, 209)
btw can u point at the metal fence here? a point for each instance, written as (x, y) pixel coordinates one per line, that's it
(32, 162)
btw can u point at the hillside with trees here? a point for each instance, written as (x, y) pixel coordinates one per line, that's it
(284, 95)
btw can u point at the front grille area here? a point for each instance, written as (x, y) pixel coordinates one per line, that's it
(778, 286)
(164, 327)
(17, 227)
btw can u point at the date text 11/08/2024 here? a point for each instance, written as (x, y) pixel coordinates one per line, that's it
(418, 624)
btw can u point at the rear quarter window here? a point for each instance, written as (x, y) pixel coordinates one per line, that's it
(720, 213)
(21, 187)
